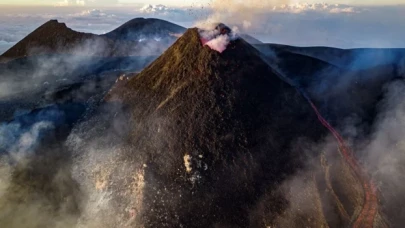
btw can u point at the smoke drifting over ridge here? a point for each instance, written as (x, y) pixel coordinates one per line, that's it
(236, 6)
(384, 152)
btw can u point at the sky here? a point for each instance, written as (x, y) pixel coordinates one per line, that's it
(344, 26)
(184, 2)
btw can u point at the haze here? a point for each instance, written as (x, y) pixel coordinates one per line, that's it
(177, 2)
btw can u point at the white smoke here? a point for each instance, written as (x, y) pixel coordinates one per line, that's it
(244, 14)
(213, 37)
(19, 138)
(384, 153)
(219, 43)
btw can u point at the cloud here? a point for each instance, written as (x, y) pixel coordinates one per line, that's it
(86, 2)
(157, 9)
(71, 3)
(93, 13)
(343, 10)
(162, 11)
(186, 16)
(317, 7)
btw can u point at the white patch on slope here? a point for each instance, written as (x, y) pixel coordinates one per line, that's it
(187, 163)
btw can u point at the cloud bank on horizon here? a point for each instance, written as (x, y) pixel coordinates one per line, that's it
(300, 24)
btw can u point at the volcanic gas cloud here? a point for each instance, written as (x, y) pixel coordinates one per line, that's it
(217, 37)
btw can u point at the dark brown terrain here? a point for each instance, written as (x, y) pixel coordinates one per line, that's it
(241, 130)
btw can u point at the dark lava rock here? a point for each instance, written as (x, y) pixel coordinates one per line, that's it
(219, 132)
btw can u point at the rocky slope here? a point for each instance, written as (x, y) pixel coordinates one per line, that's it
(219, 132)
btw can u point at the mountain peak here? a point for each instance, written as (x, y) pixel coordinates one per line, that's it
(55, 22)
(198, 115)
(189, 57)
(144, 28)
(51, 37)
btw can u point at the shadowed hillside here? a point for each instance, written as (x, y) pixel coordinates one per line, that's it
(350, 59)
(149, 28)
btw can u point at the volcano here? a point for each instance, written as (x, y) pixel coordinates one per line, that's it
(218, 132)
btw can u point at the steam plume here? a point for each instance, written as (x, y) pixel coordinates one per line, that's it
(244, 14)
(217, 37)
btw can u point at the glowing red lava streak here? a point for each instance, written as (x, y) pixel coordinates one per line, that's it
(204, 41)
(367, 215)
(369, 210)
